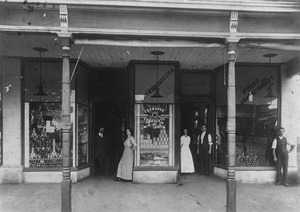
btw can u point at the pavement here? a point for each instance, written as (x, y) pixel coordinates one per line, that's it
(198, 193)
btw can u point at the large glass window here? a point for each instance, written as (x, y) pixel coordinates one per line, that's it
(82, 115)
(154, 114)
(256, 117)
(1, 120)
(45, 138)
(155, 136)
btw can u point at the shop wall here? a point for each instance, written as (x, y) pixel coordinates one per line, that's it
(290, 113)
(11, 171)
(12, 111)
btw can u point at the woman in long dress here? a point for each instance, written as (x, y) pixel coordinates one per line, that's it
(187, 164)
(126, 163)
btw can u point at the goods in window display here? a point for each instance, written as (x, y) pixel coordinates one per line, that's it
(45, 135)
(82, 134)
(154, 133)
(154, 152)
(154, 143)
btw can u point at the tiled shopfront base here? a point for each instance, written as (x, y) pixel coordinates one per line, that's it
(53, 176)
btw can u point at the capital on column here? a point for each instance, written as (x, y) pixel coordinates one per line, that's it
(232, 47)
(65, 40)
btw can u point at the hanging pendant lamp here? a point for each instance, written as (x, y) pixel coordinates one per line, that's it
(157, 94)
(270, 94)
(40, 85)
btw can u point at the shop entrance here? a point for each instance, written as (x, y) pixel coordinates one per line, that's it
(109, 109)
(108, 149)
(193, 116)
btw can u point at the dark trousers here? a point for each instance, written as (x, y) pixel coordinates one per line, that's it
(282, 162)
(204, 159)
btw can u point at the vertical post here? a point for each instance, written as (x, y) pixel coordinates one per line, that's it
(231, 130)
(66, 184)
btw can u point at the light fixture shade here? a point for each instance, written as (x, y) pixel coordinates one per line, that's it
(270, 94)
(250, 97)
(157, 94)
(41, 91)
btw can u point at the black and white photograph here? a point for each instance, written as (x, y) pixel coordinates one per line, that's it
(149, 105)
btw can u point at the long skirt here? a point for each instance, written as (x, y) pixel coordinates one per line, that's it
(187, 163)
(126, 164)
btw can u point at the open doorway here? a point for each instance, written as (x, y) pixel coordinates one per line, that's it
(193, 116)
(108, 142)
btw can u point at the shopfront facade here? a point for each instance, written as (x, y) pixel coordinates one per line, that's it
(192, 78)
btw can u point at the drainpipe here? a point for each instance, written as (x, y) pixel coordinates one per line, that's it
(231, 130)
(66, 184)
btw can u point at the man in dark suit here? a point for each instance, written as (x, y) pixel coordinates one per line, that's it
(281, 157)
(204, 150)
(101, 152)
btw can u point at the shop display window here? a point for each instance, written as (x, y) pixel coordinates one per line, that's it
(154, 134)
(1, 120)
(256, 118)
(82, 115)
(45, 135)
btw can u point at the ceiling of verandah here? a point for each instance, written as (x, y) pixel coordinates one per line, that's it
(97, 56)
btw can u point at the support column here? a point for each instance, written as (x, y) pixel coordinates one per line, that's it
(231, 130)
(66, 184)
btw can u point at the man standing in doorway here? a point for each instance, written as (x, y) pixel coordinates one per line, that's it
(281, 157)
(204, 145)
(101, 153)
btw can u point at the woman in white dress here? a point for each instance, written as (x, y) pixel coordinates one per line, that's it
(126, 163)
(187, 164)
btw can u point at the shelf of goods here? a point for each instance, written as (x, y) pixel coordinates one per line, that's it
(154, 152)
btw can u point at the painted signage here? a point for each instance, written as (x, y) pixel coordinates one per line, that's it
(256, 86)
(159, 82)
(154, 118)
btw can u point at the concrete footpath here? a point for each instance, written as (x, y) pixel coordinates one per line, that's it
(198, 193)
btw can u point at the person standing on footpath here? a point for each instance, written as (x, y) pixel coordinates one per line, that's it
(281, 157)
(204, 150)
(125, 166)
(187, 163)
(100, 152)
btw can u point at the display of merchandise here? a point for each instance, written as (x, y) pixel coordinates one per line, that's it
(154, 151)
(251, 155)
(82, 134)
(154, 141)
(45, 141)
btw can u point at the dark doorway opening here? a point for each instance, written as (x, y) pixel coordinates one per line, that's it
(193, 116)
(108, 150)
(109, 110)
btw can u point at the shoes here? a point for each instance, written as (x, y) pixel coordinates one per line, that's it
(277, 183)
(286, 185)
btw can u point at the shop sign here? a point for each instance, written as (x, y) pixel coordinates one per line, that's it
(256, 86)
(159, 82)
(195, 84)
(154, 116)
